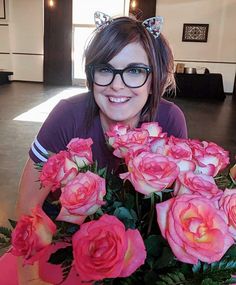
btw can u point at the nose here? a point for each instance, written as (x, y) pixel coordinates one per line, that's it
(117, 82)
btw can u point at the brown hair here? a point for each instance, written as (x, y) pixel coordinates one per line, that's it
(108, 42)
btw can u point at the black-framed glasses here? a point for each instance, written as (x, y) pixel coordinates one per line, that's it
(133, 76)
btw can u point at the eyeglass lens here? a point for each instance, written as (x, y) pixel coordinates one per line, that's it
(131, 76)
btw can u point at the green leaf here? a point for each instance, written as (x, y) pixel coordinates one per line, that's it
(38, 165)
(117, 205)
(134, 214)
(150, 278)
(166, 259)
(232, 280)
(231, 252)
(129, 201)
(159, 194)
(167, 190)
(153, 245)
(220, 271)
(60, 255)
(205, 267)
(209, 281)
(99, 212)
(66, 268)
(171, 279)
(197, 267)
(124, 215)
(3, 240)
(102, 172)
(177, 277)
(13, 223)
(5, 231)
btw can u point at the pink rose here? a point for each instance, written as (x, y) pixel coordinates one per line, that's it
(232, 173)
(194, 228)
(134, 150)
(181, 153)
(207, 164)
(196, 146)
(209, 157)
(31, 236)
(116, 131)
(214, 149)
(158, 145)
(178, 149)
(81, 197)
(199, 184)
(153, 128)
(149, 172)
(228, 205)
(123, 142)
(58, 170)
(104, 249)
(80, 151)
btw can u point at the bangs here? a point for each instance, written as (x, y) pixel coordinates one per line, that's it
(110, 41)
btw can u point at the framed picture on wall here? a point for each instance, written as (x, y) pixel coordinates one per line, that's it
(2, 9)
(195, 32)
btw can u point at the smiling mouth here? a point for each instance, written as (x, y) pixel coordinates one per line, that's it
(118, 99)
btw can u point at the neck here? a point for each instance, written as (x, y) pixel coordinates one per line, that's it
(107, 123)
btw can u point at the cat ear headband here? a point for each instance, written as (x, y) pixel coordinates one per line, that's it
(153, 25)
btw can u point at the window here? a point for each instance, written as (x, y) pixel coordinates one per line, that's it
(83, 26)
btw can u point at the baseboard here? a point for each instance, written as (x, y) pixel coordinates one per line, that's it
(26, 81)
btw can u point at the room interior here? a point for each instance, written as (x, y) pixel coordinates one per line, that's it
(37, 48)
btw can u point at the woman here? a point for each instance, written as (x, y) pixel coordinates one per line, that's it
(129, 66)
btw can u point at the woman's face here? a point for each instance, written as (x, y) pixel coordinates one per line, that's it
(117, 102)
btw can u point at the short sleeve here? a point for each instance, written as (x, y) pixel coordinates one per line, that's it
(55, 132)
(172, 120)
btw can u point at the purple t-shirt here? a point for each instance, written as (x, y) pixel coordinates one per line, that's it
(66, 121)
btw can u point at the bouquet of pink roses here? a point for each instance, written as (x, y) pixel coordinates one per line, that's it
(169, 218)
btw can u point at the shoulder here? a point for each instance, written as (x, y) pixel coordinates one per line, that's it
(166, 105)
(172, 119)
(168, 110)
(73, 106)
(80, 100)
(63, 123)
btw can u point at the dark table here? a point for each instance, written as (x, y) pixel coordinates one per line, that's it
(200, 85)
(4, 77)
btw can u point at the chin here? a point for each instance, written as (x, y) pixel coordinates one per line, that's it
(119, 119)
(131, 121)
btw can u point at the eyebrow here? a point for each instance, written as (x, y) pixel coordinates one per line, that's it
(131, 64)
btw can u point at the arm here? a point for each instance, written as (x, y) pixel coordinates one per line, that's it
(53, 136)
(30, 193)
(29, 196)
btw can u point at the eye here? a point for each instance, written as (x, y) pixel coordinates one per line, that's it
(135, 70)
(103, 69)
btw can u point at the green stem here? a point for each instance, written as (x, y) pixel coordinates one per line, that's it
(151, 213)
(219, 177)
(137, 204)
(232, 185)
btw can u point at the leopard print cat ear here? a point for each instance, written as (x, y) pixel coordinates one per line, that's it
(154, 25)
(101, 20)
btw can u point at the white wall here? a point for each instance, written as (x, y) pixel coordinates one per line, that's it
(5, 57)
(218, 54)
(23, 39)
(21, 36)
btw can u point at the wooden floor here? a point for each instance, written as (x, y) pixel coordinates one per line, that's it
(23, 106)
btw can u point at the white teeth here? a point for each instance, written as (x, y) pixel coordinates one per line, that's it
(118, 99)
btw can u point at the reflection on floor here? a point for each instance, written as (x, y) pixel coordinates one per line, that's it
(25, 105)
